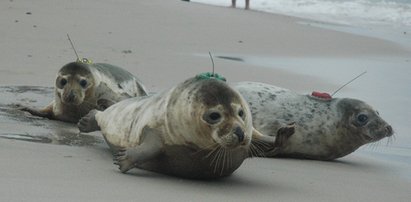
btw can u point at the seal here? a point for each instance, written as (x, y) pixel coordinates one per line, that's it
(200, 129)
(81, 87)
(325, 129)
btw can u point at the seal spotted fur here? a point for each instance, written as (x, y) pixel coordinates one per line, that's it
(324, 129)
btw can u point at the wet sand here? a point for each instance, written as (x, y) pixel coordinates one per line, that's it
(163, 43)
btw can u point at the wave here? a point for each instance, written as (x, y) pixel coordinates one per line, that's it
(349, 12)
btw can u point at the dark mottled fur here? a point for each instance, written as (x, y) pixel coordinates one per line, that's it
(325, 129)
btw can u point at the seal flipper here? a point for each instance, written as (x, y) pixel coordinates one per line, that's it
(47, 112)
(150, 147)
(103, 104)
(282, 136)
(88, 123)
(141, 89)
(269, 146)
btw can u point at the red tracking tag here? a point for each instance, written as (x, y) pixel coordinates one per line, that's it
(324, 96)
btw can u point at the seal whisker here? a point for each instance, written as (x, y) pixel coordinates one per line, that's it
(224, 161)
(253, 151)
(263, 143)
(231, 158)
(212, 151)
(218, 159)
(214, 161)
(211, 147)
(259, 150)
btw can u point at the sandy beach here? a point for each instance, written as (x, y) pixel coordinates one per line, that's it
(163, 43)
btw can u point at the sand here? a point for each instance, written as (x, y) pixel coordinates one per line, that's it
(163, 43)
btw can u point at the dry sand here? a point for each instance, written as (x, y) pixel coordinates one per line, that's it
(165, 39)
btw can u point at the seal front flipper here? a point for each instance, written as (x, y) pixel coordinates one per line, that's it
(103, 104)
(47, 112)
(88, 123)
(150, 147)
(283, 134)
(269, 146)
(281, 138)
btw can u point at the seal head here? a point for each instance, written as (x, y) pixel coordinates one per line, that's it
(220, 114)
(360, 119)
(74, 82)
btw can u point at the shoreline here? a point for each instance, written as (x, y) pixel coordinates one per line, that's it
(398, 34)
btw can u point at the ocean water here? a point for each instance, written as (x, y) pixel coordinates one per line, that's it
(393, 13)
(384, 19)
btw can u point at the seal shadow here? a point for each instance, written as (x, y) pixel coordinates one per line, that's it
(21, 126)
(237, 181)
(244, 178)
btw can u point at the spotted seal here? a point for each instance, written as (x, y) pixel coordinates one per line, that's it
(81, 87)
(326, 129)
(199, 129)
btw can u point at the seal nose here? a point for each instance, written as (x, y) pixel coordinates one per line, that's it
(71, 96)
(239, 133)
(389, 130)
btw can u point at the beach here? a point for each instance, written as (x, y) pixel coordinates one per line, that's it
(164, 43)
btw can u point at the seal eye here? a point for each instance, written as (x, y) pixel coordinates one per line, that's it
(63, 82)
(241, 113)
(212, 118)
(362, 119)
(83, 83)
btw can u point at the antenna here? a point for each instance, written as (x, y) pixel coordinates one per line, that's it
(348, 83)
(72, 45)
(212, 61)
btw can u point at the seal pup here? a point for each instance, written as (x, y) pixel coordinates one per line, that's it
(199, 129)
(82, 86)
(325, 129)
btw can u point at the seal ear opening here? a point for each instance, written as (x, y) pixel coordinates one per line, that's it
(88, 123)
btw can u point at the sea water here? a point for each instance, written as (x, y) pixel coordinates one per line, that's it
(386, 19)
(379, 12)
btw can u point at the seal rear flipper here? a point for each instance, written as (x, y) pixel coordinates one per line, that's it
(141, 89)
(88, 123)
(150, 147)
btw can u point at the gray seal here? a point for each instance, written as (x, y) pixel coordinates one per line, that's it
(200, 129)
(81, 87)
(325, 129)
